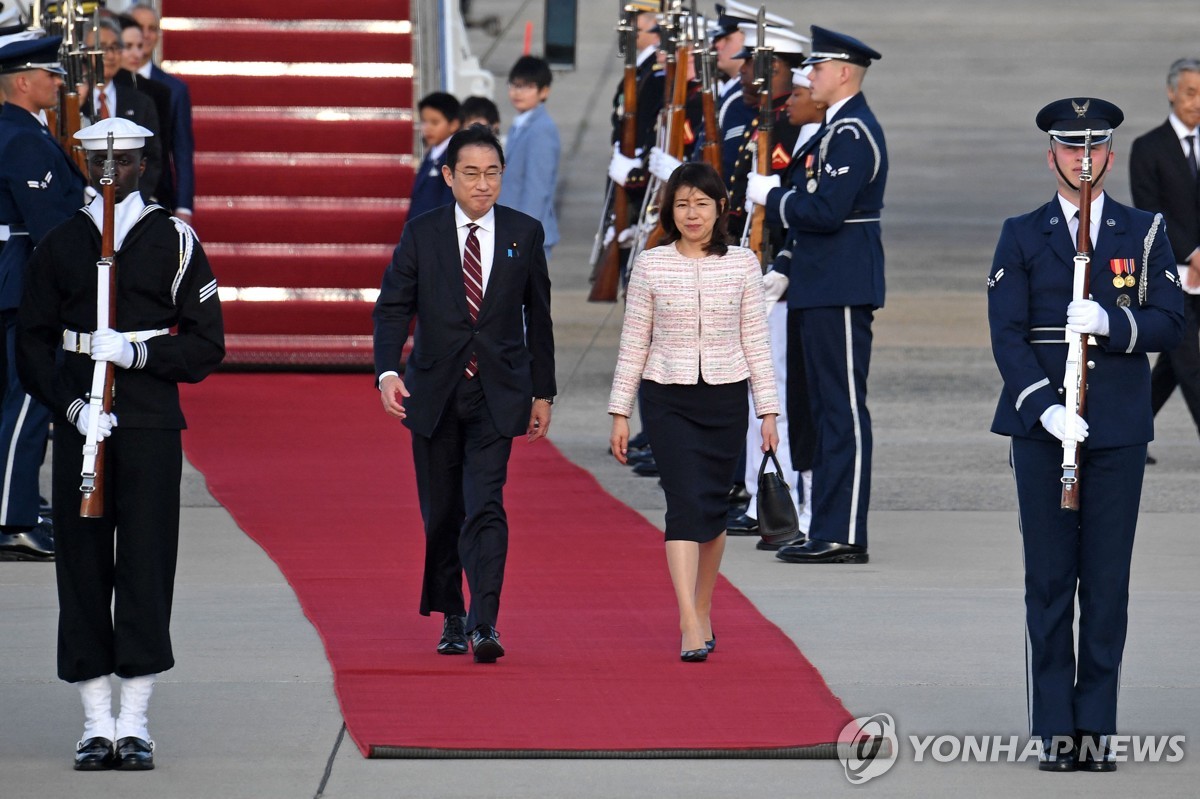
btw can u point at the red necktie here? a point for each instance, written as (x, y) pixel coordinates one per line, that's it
(104, 105)
(473, 284)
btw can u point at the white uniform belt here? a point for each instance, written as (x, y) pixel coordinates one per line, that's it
(82, 342)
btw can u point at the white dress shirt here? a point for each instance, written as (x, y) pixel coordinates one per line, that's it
(486, 234)
(1069, 210)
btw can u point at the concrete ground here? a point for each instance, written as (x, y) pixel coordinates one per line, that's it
(930, 632)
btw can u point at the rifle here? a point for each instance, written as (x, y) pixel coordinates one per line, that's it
(706, 68)
(670, 131)
(606, 270)
(91, 489)
(1075, 377)
(764, 66)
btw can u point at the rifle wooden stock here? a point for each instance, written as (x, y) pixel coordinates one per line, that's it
(676, 116)
(762, 152)
(91, 503)
(606, 274)
(1075, 378)
(712, 134)
(70, 126)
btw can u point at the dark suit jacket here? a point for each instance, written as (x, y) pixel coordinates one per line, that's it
(1161, 182)
(160, 95)
(429, 189)
(138, 108)
(1028, 291)
(513, 338)
(183, 144)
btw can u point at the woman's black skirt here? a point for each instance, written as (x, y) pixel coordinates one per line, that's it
(696, 433)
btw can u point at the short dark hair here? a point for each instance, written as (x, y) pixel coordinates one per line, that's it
(704, 179)
(476, 134)
(447, 104)
(479, 107)
(531, 69)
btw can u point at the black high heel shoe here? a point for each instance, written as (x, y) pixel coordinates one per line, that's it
(711, 644)
(694, 655)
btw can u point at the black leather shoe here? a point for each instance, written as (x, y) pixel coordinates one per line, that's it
(738, 495)
(766, 546)
(486, 643)
(813, 551)
(694, 655)
(1094, 754)
(741, 525)
(135, 754)
(95, 754)
(36, 543)
(1058, 754)
(639, 456)
(647, 468)
(1151, 460)
(454, 636)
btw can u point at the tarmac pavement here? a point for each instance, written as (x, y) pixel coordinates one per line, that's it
(931, 631)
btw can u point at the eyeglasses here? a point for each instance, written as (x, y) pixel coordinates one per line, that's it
(473, 175)
(522, 87)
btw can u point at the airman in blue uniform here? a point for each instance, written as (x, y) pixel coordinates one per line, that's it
(40, 187)
(1136, 306)
(835, 285)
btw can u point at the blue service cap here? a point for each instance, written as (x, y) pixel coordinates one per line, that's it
(829, 45)
(1066, 120)
(19, 53)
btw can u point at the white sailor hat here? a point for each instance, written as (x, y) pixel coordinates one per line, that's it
(731, 14)
(782, 40)
(800, 77)
(30, 48)
(126, 135)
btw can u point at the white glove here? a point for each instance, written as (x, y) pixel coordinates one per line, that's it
(109, 345)
(662, 164)
(1054, 419)
(776, 286)
(625, 240)
(1086, 316)
(620, 167)
(107, 422)
(610, 233)
(759, 186)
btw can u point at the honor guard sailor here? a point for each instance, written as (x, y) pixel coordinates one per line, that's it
(168, 331)
(1078, 554)
(40, 186)
(835, 285)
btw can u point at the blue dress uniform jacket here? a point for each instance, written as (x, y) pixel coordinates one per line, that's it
(40, 187)
(1085, 553)
(834, 214)
(1028, 291)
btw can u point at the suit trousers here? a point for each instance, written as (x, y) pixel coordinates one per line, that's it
(1088, 550)
(124, 561)
(24, 428)
(1181, 366)
(837, 350)
(461, 471)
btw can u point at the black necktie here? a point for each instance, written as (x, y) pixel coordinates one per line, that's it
(1191, 156)
(1091, 244)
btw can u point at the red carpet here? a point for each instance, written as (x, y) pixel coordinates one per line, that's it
(324, 485)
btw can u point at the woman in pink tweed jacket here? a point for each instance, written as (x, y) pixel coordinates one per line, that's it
(695, 330)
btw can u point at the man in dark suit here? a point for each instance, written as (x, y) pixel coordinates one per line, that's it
(1135, 307)
(835, 285)
(481, 372)
(177, 186)
(1164, 178)
(120, 99)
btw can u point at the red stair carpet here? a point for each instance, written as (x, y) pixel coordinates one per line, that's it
(302, 112)
(323, 482)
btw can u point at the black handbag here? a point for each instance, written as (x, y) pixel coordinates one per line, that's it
(777, 517)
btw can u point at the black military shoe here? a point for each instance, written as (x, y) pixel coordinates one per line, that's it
(646, 468)
(813, 551)
(95, 754)
(1058, 754)
(1094, 754)
(135, 754)
(741, 524)
(454, 636)
(36, 543)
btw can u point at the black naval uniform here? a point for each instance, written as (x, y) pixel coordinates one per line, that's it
(783, 140)
(163, 281)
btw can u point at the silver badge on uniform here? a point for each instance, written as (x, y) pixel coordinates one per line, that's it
(811, 186)
(1122, 300)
